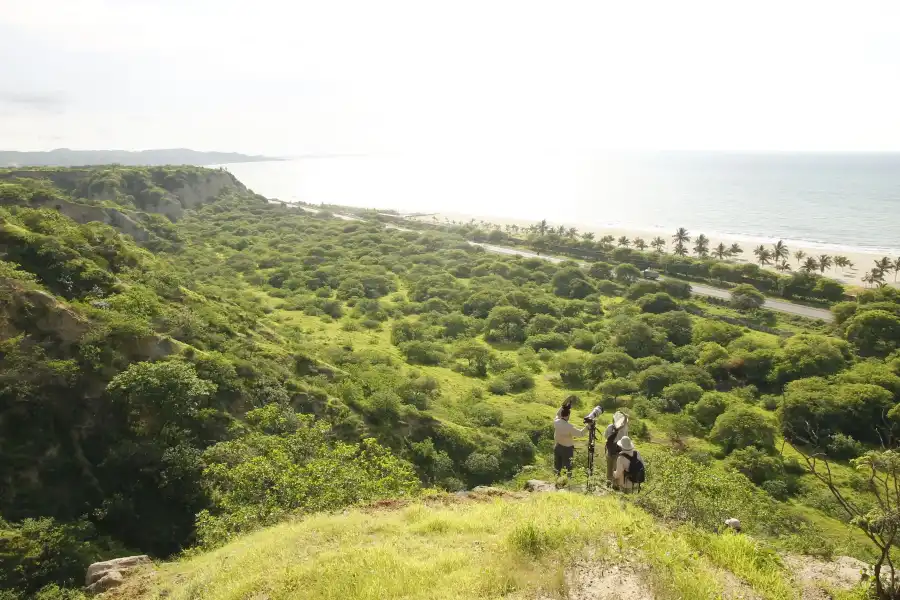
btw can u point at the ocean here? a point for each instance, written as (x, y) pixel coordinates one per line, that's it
(837, 202)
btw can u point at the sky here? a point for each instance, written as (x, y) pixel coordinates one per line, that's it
(334, 76)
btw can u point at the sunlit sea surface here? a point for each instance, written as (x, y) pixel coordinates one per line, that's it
(847, 202)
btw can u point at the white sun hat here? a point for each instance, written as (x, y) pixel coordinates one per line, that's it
(626, 444)
(618, 419)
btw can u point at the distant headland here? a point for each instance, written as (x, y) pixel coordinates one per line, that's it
(64, 157)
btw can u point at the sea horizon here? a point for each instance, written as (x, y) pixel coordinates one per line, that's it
(838, 202)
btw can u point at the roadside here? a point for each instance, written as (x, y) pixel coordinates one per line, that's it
(696, 288)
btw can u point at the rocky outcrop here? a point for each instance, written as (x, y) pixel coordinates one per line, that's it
(536, 485)
(37, 311)
(103, 576)
(208, 188)
(85, 213)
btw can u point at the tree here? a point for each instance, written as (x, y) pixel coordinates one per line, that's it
(680, 249)
(507, 323)
(746, 297)
(659, 302)
(720, 251)
(896, 268)
(755, 465)
(735, 249)
(809, 355)
(883, 265)
(874, 332)
(780, 251)
(679, 395)
(624, 242)
(640, 244)
(783, 266)
(659, 244)
(763, 255)
(542, 227)
(608, 364)
(587, 236)
(742, 427)
(681, 236)
(627, 273)
(600, 270)
(841, 262)
(571, 233)
(881, 523)
(157, 394)
(476, 355)
(810, 265)
(638, 339)
(701, 246)
(710, 406)
(824, 262)
(799, 255)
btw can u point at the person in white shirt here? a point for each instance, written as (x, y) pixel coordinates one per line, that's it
(613, 434)
(564, 434)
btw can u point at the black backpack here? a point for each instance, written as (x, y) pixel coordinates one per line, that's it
(636, 473)
(612, 445)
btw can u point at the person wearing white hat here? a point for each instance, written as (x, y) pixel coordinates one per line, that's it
(615, 431)
(734, 524)
(627, 460)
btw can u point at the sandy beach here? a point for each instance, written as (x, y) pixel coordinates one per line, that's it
(862, 261)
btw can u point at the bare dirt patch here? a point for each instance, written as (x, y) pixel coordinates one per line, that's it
(815, 576)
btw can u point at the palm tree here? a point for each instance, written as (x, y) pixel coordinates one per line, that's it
(720, 251)
(799, 255)
(587, 236)
(701, 248)
(680, 249)
(780, 252)
(763, 255)
(659, 244)
(783, 266)
(607, 239)
(883, 265)
(877, 276)
(735, 249)
(824, 262)
(681, 236)
(640, 244)
(571, 233)
(810, 265)
(542, 227)
(624, 242)
(896, 268)
(840, 262)
(561, 230)
(867, 279)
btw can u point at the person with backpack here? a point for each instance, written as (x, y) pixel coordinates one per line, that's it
(630, 472)
(613, 434)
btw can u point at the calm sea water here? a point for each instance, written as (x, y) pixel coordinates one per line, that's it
(838, 201)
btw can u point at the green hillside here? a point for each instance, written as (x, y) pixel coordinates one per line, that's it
(183, 363)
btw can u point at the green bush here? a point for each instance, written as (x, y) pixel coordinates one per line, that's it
(843, 447)
(260, 478)
(742, 427)
(679, 395)
(710, 406)
(657, 303)
(423, 353)
(548, 341)
(755, 465)
(512, 382)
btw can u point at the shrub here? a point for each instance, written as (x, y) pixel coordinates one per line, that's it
(755, 465)
(679, 395)
(548, 341)
(657, 303)
(843, 447)
(642, 288)
(423, 353)
(627, 273)
(742, 427)
(710, 406)
(512, 382)
(746, 297)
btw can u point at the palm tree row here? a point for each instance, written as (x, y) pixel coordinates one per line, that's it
(778, 254)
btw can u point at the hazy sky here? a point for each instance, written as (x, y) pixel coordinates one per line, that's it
(292, 77)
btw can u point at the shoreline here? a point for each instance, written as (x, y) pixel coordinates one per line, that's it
(862, 260)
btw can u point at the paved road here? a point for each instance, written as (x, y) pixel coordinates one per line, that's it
(696, 288)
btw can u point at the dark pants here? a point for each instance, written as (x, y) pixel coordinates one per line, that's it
(562, 458)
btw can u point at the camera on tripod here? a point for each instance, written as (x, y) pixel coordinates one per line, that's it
(592, 417)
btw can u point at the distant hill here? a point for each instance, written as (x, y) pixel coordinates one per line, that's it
(63, 157)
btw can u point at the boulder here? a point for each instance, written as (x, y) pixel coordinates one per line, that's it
(488, 490)
(109, 580)
(536, 485)
(108, 574)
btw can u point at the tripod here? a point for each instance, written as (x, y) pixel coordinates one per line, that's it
(592, 438)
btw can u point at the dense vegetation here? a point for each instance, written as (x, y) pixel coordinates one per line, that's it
(246, 360)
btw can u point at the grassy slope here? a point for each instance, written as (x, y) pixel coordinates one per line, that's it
(447, 548)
